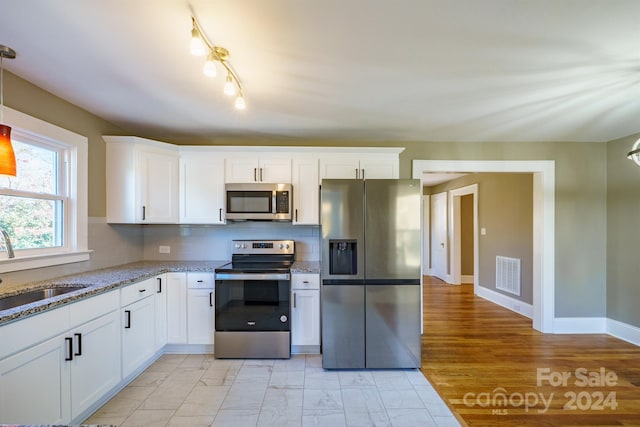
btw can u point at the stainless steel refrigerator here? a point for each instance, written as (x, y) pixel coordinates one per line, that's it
(370, 273)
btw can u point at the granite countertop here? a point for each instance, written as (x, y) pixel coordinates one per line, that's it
(310, 267)
(98, 281)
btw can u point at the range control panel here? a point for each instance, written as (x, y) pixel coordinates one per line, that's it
(262, 246)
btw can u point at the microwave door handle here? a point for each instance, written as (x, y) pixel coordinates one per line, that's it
(274, 207)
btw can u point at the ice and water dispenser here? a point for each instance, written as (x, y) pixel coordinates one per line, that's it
(343, 257)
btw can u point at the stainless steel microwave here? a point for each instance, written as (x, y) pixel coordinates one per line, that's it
(259, 202)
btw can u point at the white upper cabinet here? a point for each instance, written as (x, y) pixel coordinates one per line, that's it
(142, 181)
(249, 167)
(202, 197)
(306, 191)
(360, 166)
(151, 182)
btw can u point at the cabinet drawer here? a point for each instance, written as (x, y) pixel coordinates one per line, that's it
(200, 280)
(305, 281)
(137, 291)
(93, 307)
(26, 332)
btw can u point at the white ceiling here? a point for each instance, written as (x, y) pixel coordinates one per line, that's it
(424, 70)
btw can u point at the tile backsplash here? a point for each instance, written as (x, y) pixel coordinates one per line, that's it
(214, 242)
(115, 244)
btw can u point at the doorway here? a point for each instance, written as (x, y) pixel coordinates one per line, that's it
(543, 222)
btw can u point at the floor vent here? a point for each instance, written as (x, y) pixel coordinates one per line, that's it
(508, 274)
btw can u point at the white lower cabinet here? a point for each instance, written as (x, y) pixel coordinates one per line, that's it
(95, 368)
(53, 381)
(55, 367)
(160, 298)
(305, 313)
(200, 308)
(35, 386)
(176, 308)
(138, 325)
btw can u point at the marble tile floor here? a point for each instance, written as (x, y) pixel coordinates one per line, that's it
(199, 390)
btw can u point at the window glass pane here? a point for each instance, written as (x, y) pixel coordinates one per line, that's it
(31, 223)
(37, 169)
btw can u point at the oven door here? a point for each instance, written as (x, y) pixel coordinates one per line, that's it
(252, 302)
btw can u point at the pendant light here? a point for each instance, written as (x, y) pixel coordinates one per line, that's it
(7, 156)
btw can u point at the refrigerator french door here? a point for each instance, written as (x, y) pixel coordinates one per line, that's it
(370, 273)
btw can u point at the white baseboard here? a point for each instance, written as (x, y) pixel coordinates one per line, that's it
(623, 331)
(467, 279)
(188, 349)
(505, 301)
(580, 325)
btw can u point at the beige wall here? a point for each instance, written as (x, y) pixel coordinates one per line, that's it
(505, 210)
(580, 210)
(466, 235)
(111, 245)
(29, 99)
(623, 233)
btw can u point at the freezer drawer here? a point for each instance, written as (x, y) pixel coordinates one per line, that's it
(393, 326)
(343, 335)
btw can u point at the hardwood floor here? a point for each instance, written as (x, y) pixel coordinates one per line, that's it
(493, 369)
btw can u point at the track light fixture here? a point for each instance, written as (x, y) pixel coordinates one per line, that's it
(200, 46)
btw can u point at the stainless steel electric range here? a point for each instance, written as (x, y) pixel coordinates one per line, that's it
(252, 301)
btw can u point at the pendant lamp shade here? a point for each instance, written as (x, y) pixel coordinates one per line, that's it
(7, 156)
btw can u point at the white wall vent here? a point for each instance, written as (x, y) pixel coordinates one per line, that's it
(508, 274)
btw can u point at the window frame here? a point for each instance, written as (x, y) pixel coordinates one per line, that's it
(75, 182)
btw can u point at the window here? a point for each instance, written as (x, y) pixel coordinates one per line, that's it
(33, 203)
(43, 208)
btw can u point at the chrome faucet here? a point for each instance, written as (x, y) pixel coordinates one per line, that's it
(7, 244)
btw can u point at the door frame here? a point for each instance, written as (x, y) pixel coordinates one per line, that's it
(446, 268)
(543, 222)
(455, 252)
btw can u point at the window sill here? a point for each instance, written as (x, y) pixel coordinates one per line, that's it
(8, 265)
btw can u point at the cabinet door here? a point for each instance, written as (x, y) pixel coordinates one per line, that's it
(305, 317)
(242, 168)
(161, 310)
(200, 318)
(34, 384)
(306, 192)
(138, 334)
(95, 368)
(379, 167)
(246, 167)
(158, 187)
(176, 308)
(275, 170)
(202, 197)
(340, 168)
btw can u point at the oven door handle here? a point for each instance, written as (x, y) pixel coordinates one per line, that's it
(253, 276)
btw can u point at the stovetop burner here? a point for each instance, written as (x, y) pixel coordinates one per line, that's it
(264, 256)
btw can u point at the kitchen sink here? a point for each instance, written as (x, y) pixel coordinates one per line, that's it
(35, 295)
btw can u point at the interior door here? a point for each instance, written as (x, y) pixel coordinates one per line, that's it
(439, 235)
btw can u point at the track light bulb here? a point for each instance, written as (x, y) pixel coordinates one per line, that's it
(240, 104)
(197, 44)
(209, 69)
(229, 86)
